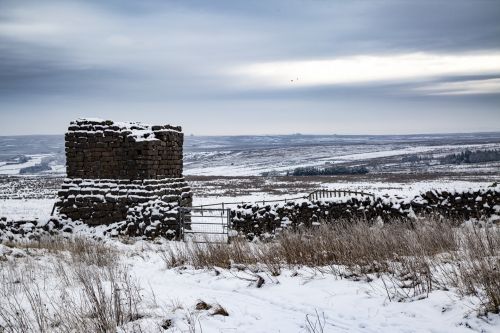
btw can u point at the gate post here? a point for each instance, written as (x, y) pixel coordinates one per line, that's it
(228, 226)
(181, 224)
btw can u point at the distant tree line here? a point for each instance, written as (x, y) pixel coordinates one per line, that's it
(328, 171)
(468, 156)
(20, 159)
(413, 158)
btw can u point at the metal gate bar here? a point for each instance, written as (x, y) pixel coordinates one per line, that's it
(195, 221)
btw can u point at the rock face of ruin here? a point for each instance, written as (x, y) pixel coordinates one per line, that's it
(97, 149)
(113, 168)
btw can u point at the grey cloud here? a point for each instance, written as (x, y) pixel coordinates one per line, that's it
(121, 55)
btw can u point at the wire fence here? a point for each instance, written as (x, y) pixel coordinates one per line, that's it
(315, 195)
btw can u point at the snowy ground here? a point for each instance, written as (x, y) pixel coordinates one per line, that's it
(282, 304)
(28, 209)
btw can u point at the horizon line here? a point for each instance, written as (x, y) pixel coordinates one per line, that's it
(296, 134)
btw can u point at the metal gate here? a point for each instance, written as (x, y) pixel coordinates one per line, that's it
(205, 225)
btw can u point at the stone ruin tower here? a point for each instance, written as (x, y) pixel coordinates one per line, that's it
(124, 172)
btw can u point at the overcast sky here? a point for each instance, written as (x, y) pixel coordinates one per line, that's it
(252, 67)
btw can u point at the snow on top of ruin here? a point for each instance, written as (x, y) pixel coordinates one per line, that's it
(138, 131)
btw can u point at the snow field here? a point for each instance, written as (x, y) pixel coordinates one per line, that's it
(281, 304)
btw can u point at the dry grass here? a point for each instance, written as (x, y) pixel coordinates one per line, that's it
(355, 245)
(361, 246)
(208, 255)
(479, 272)
(93, 292)
(315, 324)
(81, 249)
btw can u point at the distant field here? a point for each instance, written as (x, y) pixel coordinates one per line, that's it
(257, 155)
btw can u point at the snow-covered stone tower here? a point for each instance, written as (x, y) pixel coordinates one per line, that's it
(117, 171)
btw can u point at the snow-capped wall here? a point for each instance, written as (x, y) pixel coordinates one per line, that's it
(106, 149)
(104, 201)
(255, 220)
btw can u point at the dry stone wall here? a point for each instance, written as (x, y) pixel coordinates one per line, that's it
(105, 201)
(158, 218)
(262, 221)
(113, 167)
